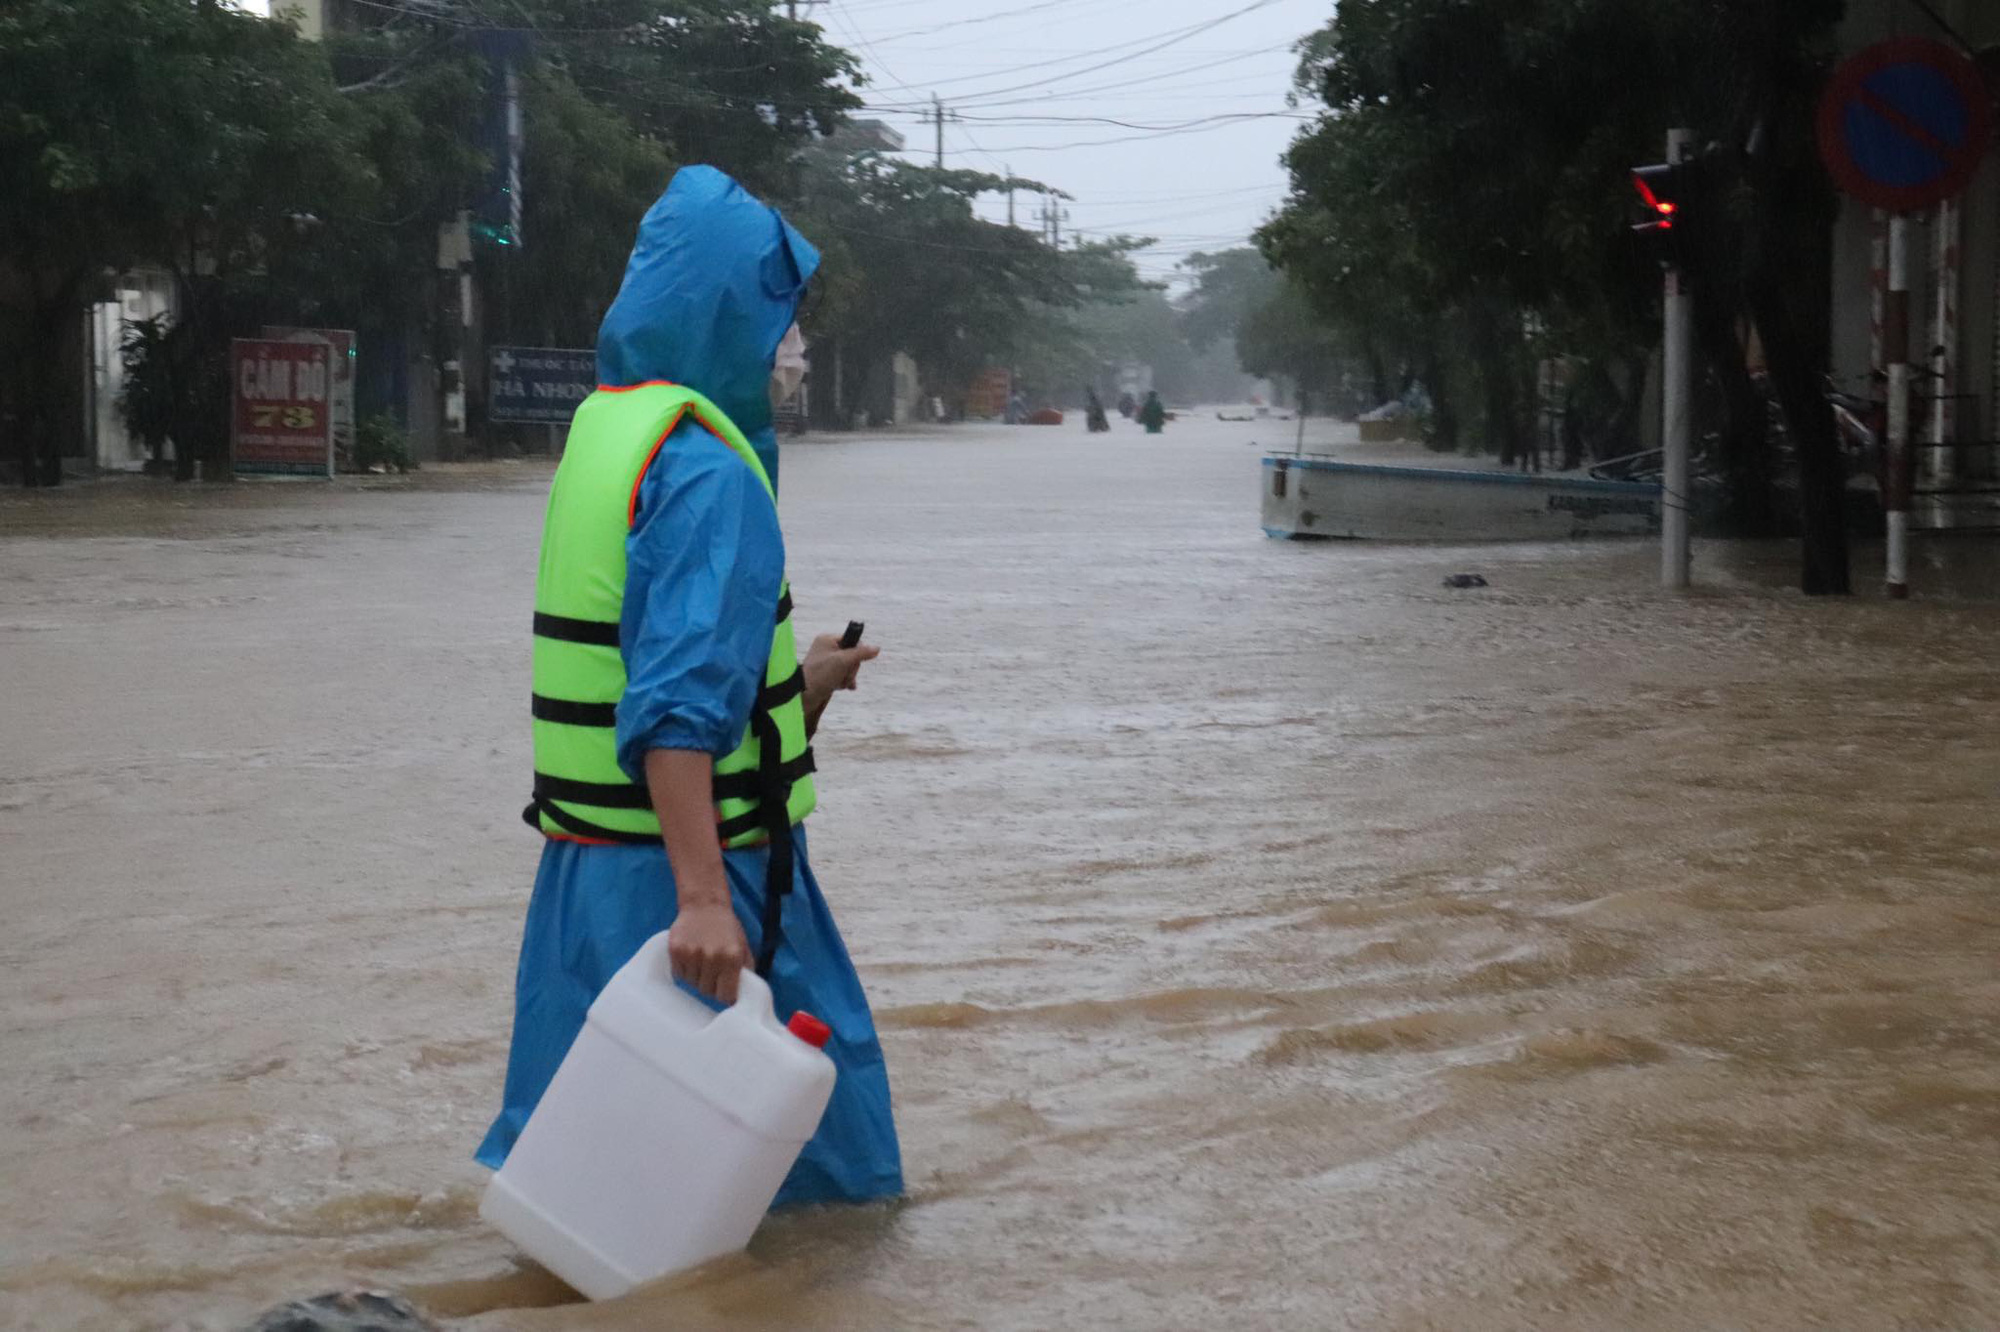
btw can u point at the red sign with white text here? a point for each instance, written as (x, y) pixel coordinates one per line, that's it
(283, 420)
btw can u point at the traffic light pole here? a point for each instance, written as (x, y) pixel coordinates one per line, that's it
(1896, 334)
(1677, 401)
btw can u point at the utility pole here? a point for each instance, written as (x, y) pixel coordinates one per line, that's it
(1010, 196)
(1896, 331)
(1677, 376)
(1052, 216)
(937, 116)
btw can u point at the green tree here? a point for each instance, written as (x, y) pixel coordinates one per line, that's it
(1283, 337)
(1466, 186)
(588, 177)
(733, 83)
(413, 147)
(1280, 332)
(1144, 328)
(189, 136)
(909, 266)
(1228, 286)
(613, 93)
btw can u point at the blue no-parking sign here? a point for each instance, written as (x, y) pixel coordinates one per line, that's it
(1904, 124)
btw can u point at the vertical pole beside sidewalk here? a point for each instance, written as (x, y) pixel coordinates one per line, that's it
(1896, 333)
(1677, 439)
(1940, 468)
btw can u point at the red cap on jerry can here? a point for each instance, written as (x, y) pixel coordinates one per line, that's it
(809, 1029)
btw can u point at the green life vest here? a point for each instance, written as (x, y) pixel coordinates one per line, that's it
(764, 785)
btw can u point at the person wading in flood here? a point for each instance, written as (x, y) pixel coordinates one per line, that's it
(671, 712)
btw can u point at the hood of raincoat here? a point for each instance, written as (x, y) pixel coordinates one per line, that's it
(713, 283)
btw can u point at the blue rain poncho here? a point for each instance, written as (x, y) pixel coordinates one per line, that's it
(713, 284)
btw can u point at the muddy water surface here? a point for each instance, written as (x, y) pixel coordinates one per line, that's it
(1263, 936)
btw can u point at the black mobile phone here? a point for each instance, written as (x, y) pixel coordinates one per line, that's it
(852, 638)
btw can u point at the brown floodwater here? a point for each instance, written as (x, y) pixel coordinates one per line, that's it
(1262, 935)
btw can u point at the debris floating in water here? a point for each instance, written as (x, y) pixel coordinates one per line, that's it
(1464, 580)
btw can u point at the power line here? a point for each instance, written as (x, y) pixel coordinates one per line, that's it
(869, 47)
(975, 99)
(1167, 217)
(1172, 37)
(1178, 36)
(1005, 170)
(1124, 138)
(1132, 199)
(984, 18)
(1015, 251)
(1027, 120)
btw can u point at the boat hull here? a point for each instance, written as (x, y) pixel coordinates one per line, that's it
(1318, 497)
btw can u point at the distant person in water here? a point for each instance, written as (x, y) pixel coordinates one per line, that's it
(1093, 412)
(1153, 415)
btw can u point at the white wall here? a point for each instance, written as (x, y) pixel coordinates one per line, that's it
(139, 295)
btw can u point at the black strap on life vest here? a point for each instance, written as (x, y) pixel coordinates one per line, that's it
(775, 809)
(569, 712)
(577, 826)
(604, 633)
(567, 629)
(750, 786)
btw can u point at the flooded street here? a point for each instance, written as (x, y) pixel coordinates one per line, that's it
(1262, 935)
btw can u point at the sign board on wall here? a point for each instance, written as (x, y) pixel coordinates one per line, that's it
(538, 385)
(282, 422)
(989, 393)
(344, 345)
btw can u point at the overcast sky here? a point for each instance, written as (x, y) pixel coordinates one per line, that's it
(1002, 64)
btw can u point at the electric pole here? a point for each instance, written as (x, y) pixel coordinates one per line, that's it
(1010, 196)
(1052, 217)
(936, 116)
(1677, 434)
(1678, 201)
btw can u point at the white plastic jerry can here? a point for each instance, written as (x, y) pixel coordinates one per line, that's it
(665, 1134)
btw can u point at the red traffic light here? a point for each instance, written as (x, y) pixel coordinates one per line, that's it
(1660, 186)
(1668, 190)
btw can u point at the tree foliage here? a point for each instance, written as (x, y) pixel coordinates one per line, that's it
(588, 178)
(188, 136)
(285, 181)
(910, 266)
(1463, 197)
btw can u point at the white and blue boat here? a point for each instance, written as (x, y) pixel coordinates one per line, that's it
(1307, 497)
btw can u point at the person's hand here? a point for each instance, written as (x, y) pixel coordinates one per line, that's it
(829, 667)
(707, 949)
